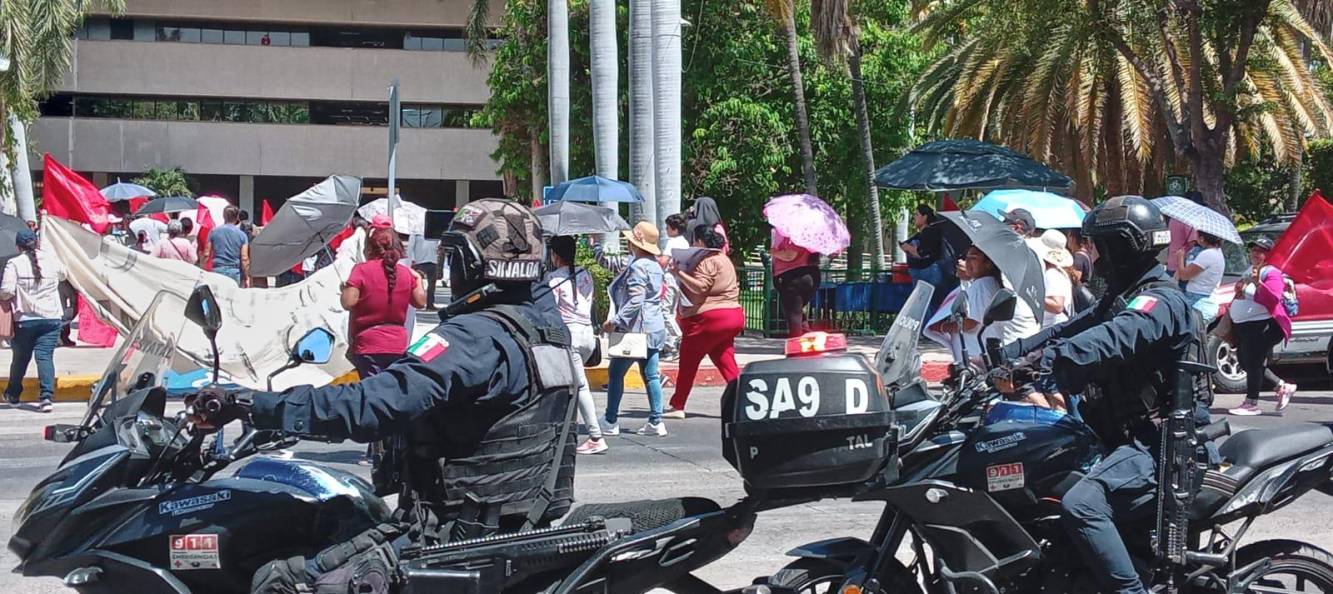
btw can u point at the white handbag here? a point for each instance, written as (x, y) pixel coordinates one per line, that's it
(627, 345)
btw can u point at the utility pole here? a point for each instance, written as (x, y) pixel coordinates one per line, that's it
(395, 116)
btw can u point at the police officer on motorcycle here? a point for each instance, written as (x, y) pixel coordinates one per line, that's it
(482, 403)
(1121, 355)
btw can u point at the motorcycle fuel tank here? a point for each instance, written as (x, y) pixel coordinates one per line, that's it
(1023, 454)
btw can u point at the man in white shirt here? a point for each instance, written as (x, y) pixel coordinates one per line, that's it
(152, 229)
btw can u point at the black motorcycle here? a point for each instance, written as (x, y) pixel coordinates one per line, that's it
(140, 505)
(975, 505)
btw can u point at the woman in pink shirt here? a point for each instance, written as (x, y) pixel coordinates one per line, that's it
(177, 246)
(795, 276)
(1259, 321)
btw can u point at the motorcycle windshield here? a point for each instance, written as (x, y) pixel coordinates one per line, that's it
(143, 357)
(898, 361)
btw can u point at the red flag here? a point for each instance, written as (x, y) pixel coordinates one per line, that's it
(1302, 252)
(204, 221)
(948, 205)
(137, 203)
(342, 236)
(265, 214)
(68, 195)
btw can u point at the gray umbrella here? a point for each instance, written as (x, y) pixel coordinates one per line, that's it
(168, 204)
(577, 218)
(10, 225)
(124, 191)
(304, 225)
(1017, 262)
(1198, 216)
(963, 164)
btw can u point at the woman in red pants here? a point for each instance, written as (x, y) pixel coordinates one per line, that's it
(711, 321)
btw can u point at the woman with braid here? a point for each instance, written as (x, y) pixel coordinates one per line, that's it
(32, 280)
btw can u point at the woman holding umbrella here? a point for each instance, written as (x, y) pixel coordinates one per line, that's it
(803, 228)
(796, 276)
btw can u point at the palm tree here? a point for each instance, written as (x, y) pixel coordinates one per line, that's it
(784, 12)
(605, 70)
(557, 84)
(642, 168)
(837, 38)
(666, 105)
(37, 38)
(1114, 89)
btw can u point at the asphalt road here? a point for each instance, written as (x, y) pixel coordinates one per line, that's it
(686, 462)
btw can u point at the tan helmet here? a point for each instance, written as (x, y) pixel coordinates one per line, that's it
(494, 240)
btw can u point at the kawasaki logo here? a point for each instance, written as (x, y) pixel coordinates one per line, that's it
(512, 270)
(189, 504)
(1003, 443)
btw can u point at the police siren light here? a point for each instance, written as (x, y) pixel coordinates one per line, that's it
(814, 343)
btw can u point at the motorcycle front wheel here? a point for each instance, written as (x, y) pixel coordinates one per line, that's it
(1296, 567)
(817, 576)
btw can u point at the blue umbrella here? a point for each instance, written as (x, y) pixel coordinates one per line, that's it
(1049, 211)
(125, 191)
(596, 189)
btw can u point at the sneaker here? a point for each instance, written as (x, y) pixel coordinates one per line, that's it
(1284, 394)
(1249, 408)
(673, 413)
(45, 406)
(608, 429)
(12, 399)
(653, 429)
(593, 446)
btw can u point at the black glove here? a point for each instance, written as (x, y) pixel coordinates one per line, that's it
(211, 408)
(1029, 368)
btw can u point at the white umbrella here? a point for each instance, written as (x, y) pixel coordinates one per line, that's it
(304, 225)
(408, 218)
(1198, 216)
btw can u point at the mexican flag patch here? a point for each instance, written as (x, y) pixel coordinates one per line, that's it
(428, 347)
(1143, 303)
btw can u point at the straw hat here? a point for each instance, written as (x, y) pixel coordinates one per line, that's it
(1051, 248)
(644, 236)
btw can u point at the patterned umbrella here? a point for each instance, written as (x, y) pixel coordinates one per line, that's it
(1198, 216)
(808, 222)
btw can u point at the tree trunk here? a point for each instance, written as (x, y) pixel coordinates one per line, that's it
(798, 97)
(21, 172)
(538, 157)
(1296, 181)
(605, 70)
(557, 87)
(641, 163)
(666, 106)
(1209, 173)
(876, 222)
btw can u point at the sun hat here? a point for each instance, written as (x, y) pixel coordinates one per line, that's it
(380, 221)
(644, 236)
(1050, 246)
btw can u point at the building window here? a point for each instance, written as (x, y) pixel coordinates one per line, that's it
(255, 111)
(212, 36)
(233, 37)
(122, 30)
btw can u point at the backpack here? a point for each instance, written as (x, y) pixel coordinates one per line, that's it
(1290, 302)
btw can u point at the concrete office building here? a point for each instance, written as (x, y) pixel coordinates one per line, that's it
(259, 99)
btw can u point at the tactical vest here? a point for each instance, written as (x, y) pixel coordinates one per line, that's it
(518, 468)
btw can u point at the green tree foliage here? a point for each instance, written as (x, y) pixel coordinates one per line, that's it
(741, 146)
(1319, 167)
(166, 182)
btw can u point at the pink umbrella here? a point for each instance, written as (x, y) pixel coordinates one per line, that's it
(808, 222)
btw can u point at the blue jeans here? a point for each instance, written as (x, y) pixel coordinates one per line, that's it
(651, 380)
(229, 272)
(1118, 490)
(34, 337)
(1203, 302)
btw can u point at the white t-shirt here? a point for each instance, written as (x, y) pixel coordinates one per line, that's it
(1244, 309)
(1023, 325)
(573, 300)
(1212, 263)
(677, 243)
(34, 300)
(979, 293)
(1057, 285)
(152, 228)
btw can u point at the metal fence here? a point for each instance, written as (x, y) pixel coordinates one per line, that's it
(855, 303)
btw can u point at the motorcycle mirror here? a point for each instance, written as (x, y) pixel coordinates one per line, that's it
(959, 309)
(202, 309)
(315, 347)
(1001, 308)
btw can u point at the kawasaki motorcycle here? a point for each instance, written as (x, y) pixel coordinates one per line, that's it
(975, 505)
(140, 504)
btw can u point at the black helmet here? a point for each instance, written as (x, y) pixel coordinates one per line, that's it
(492, 240)
(1128, 232)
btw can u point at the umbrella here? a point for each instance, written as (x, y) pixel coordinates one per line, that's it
(1017, 262)
(575, 218)
(124, 191)
(595, 189)
(962, 164)
(1198, 216)
(1048, 210)
(10, 225)
(304, 225)
(408, 218)
(168, 205)
(808, 222)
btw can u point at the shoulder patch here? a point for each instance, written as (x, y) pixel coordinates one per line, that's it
(428, 347)
(1143, 303)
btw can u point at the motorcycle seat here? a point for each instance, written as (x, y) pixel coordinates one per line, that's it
(1253, 451)
(646, 514)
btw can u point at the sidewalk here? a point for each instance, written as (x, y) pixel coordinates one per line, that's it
(79, 368)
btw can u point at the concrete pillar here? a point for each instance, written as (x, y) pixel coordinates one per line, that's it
(247, 197)
(462, 193)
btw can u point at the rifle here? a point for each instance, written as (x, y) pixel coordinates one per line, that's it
(492, 563)
(1179, 472)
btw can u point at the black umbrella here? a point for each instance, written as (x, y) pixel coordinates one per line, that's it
(1010, 253)
(168, 204)
(577, 218)
(963, 164)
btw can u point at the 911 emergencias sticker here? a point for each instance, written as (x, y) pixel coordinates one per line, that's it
(194, 551)
(1004, 477)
